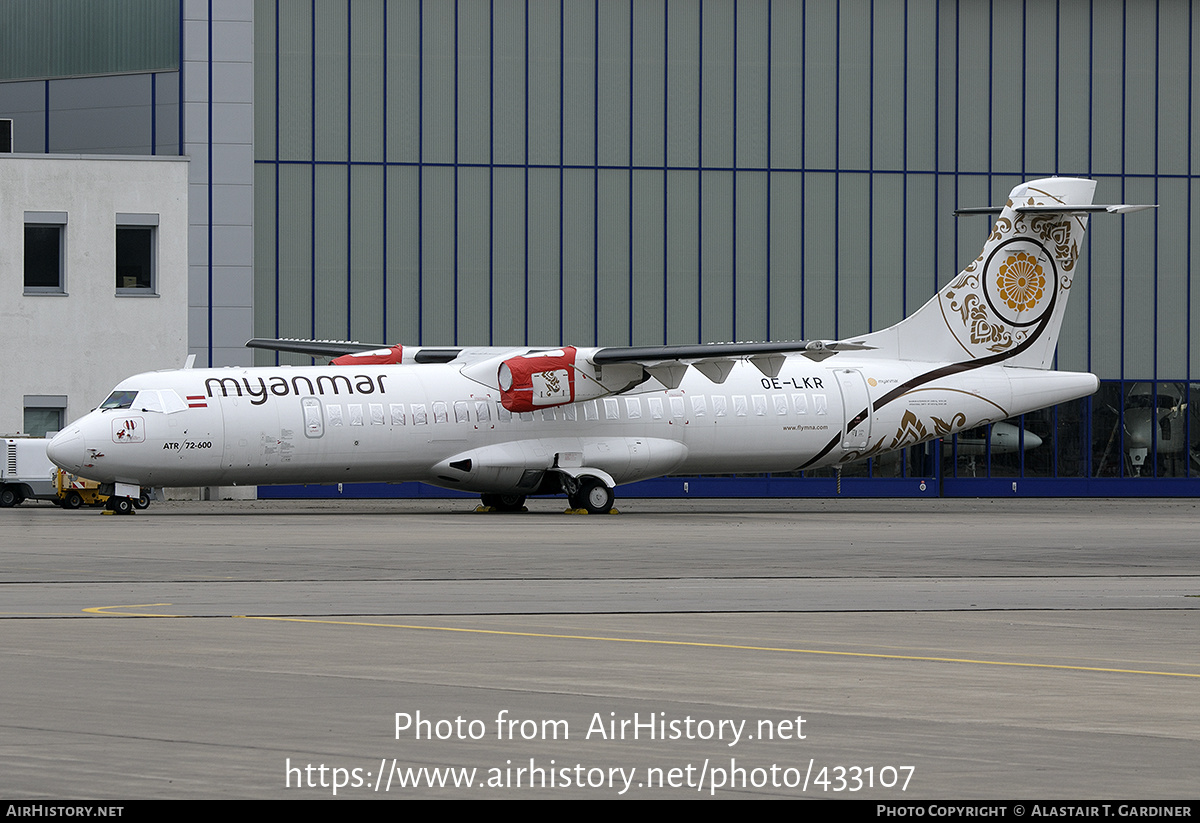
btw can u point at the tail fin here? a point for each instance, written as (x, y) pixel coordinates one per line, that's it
(1008, 304)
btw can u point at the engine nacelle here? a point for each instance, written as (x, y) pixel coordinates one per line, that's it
(544, 379)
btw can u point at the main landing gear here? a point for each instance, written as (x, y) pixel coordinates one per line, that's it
(504, 502)
(592, 495)
(586, 493)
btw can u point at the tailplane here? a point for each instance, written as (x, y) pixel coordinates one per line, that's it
(1007, 305)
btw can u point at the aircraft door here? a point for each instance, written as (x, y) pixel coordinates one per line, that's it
(314, 420)
(639, 455)
(856, 409)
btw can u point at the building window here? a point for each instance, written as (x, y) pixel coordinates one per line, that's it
(137, 254)
(45, 252)
(44, 413)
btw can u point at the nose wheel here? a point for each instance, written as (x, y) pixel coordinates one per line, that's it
(119, 505)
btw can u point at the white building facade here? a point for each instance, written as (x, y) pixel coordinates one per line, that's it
(93, 280)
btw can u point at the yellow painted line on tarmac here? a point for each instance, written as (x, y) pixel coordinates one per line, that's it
(731, 646)
(104, 610)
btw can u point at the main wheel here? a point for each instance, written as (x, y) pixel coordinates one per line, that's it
(504, 502)
(594, 496)
(143, 501)
(8, 497)
(73, 500)
(121, 505)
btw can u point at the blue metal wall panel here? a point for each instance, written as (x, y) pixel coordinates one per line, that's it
(607, 172)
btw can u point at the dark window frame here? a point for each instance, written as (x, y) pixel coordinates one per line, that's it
(141, 241)
(34, 264)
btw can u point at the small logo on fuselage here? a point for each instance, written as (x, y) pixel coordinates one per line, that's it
(129, 430)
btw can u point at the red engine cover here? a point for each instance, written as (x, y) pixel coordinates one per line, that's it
(370, 358)
(538, 381)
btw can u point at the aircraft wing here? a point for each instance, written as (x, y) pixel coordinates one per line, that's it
(699, 351)
(354, 351)
(667, 364)
(315, 348)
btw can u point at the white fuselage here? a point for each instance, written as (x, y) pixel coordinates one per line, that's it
(433, 423)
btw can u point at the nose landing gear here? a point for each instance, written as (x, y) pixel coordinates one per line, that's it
(119, 505)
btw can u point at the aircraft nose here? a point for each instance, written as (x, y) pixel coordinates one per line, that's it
(67, 450)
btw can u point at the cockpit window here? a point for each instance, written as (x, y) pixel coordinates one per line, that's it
(119, 400)
(148, 401)
(171, 401)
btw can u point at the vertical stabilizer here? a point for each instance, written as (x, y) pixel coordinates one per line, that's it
(1008, 304)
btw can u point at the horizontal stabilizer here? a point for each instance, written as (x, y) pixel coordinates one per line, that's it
(1121, 208)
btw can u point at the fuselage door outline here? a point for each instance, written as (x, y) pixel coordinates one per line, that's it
(314, 419)
(854, 401)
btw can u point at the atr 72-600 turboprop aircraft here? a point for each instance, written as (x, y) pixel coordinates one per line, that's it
(511, 422)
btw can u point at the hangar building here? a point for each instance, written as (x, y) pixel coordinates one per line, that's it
(615, 172)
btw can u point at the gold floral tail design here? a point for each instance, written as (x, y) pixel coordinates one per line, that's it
(1007, 304)
(1004, 309)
